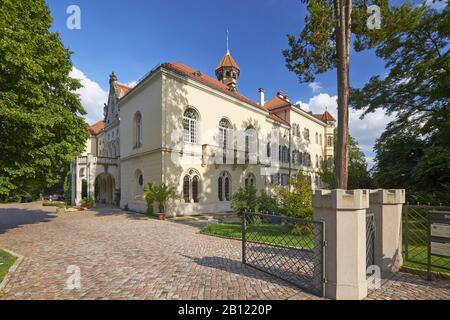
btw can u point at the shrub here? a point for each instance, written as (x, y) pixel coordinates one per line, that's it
(54, 204)
(266, 203)
(245, 200)
(87, 201)
(298, 201)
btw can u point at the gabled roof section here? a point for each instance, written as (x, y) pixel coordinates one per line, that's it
(276, 102)
(121, 89)
(96, 128)
(205, 79)
(227, 61)
(325, 117)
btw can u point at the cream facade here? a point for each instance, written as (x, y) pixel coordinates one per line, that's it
(197, 134)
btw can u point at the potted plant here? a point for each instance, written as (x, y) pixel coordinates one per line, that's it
(162, 193)
(148, 196)
(87, 203)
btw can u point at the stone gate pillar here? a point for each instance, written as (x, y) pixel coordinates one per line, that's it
(387, 208)
(344, 213)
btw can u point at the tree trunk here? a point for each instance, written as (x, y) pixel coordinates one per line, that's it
(343, 32)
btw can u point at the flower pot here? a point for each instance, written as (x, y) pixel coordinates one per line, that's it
(161, 216)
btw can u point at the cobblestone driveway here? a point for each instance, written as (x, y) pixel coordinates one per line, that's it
(126, 256)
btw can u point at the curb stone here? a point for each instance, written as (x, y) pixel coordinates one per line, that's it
(12, 269)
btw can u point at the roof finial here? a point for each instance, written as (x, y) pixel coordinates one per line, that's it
(228, 48)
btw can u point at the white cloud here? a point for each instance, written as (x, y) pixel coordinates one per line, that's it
(93, 97)
(365, 131)
(436, 4)
(315, 86)
(131, 84)
(370, 162)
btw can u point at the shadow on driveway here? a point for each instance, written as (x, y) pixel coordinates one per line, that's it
(237, 267)
(11, 218)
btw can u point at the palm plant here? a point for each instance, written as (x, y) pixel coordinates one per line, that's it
(161, 194)
(148, 196)
(157, 193)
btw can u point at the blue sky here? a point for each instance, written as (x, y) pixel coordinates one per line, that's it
(131, 37)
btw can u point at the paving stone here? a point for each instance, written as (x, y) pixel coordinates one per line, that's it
(123, 256)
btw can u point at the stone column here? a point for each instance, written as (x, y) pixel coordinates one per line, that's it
(344, 213)
(387, 208)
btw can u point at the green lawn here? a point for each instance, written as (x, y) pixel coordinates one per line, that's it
(6, 261)
(264, 233)
(418, 257)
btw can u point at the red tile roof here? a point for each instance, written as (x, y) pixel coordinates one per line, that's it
(96, 128)
(325, 117)
(191, 73)
(227, 61)
(276, 102)
(121, 89)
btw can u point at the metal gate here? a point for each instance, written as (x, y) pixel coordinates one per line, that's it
(370, 239)
(289, 248)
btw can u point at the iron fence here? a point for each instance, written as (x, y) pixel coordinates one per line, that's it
(370, 238)
(415, 236)
(289, 248)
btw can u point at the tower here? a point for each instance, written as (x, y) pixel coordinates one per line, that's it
(228, 70)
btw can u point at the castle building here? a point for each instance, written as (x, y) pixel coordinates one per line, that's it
(198, 134)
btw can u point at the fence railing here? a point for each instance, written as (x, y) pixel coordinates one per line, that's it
(415, 236)
(289, 248)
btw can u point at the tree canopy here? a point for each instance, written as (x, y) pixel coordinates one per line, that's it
(41, 128)
(414, 151)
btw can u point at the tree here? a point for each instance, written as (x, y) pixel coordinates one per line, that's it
(41, 128)
(358, 173)
(415, 47)
(324, 44)
(413, 151)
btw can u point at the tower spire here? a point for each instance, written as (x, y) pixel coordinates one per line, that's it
(228, 47)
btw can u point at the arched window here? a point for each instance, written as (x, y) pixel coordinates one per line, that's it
(224, 186)
(317, 161)
(191, 186)
(306, 134)
(285, 155)
(137, 130)
(250, 140)
(190, 126)
(224, 133)
(195, 181)
(330, 141)
(250, 180)
(186, 185)
(317, 138)
(220, 188)
(139, 182)
(268, 150)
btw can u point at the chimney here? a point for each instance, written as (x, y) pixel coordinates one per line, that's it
(261, 97)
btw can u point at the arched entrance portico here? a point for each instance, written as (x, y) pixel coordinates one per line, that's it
(105, 188)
